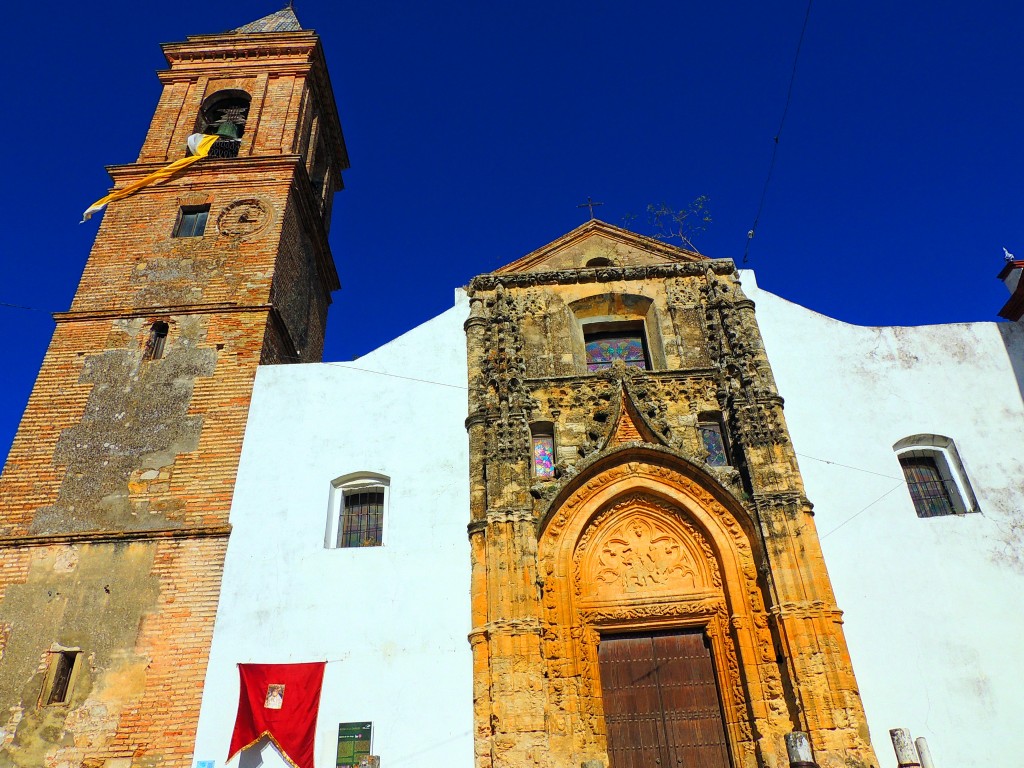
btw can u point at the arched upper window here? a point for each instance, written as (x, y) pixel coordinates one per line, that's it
(356, 512)
(224, 114)
(618, 327)
(936, 477)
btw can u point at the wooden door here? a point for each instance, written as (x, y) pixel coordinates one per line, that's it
(661, 704)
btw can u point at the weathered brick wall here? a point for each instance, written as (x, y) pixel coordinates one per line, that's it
(142, 612)
(115, 499)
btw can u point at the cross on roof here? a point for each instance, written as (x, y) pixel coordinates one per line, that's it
(589, 204)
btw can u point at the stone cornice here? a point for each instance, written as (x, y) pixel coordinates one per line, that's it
(675, 374)
(491, 280)
(179, 309)
(236, 48)
(256, 165)
(97, 537)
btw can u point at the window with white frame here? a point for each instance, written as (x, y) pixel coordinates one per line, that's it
(357, 510)
(935, 475)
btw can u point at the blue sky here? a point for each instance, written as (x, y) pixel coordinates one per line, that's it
(475, 130)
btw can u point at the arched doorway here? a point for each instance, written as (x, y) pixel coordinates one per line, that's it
(656, 640)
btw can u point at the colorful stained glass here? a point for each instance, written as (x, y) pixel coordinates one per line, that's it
(604, 348)
(927, 488)
(362, 522)
(543, 456)
(711, 436)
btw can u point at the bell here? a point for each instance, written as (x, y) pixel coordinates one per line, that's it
(228, 130)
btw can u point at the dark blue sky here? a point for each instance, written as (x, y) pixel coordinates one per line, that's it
(475, 130)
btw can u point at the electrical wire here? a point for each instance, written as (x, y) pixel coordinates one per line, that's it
(847, 466)
(865, 509)
(782, 122)
(22, 306)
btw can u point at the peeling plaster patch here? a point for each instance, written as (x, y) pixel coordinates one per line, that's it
(177, 276)
(971, 687)
(66, 560)
(57, 609)
(136, 417)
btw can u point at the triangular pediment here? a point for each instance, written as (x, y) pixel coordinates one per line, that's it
(630, 426)
(597, 244)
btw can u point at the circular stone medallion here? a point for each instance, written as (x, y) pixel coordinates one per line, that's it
(244, 218)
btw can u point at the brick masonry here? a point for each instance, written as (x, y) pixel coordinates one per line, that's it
(116, 494)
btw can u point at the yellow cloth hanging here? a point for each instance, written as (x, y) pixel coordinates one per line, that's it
(202, 149)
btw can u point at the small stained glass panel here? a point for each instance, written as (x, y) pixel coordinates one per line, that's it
(711, 437)
(362, 520)
(605, 348)
(543, 456)
(927, 488)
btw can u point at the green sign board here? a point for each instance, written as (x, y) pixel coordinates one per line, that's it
(353, 743)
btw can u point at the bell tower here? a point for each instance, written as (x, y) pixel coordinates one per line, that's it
(114, 501)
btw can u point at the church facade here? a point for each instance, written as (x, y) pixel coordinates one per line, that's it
(569, 522)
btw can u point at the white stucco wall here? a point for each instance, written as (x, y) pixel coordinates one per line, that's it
(392, 621)
(934, 608)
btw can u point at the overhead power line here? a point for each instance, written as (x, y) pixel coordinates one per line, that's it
(778, 134)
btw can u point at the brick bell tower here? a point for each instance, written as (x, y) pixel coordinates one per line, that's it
(115, 498)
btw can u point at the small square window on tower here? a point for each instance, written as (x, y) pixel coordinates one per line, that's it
(191, 221)
(156, 342)
(59, 677)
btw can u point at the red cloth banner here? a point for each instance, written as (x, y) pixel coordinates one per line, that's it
(280, 701)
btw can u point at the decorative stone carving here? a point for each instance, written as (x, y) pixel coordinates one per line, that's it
(245, 218)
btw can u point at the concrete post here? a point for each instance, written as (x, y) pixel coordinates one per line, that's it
(906, 752)
(798, 747)
(924, 753)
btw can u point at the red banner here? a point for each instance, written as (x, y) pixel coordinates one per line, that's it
(279, 701)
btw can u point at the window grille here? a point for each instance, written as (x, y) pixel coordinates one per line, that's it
(362, 520)
(936, 476)
(928, 489)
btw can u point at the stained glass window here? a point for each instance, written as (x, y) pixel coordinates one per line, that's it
(604, 348)
(711, 437)
(362, 521)
(927, 488)
(543, 456)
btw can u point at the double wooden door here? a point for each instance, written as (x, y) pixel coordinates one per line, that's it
(661, 704)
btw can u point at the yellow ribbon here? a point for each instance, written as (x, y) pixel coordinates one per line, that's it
(202, 150)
